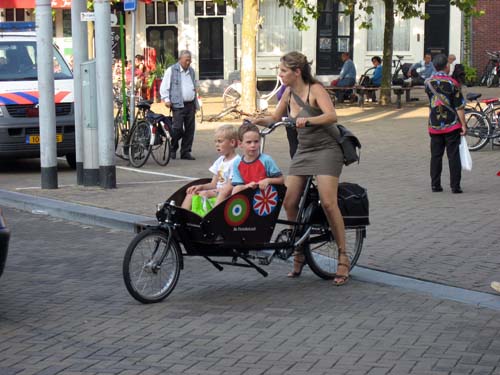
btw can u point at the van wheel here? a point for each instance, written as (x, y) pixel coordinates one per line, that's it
(71, 159)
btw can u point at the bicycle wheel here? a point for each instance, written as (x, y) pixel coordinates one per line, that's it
(231, 95)
(478, 129)
(139, 149)
(199, 115)
(152, 265)
(160, 150)
(491, 78)
(322, 252)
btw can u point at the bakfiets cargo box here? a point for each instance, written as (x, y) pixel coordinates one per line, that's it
(19, 121)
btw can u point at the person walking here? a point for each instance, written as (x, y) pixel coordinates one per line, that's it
(178, 91)
(446, 124)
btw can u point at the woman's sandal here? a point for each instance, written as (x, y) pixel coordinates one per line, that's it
(299, 261)
(341, 279)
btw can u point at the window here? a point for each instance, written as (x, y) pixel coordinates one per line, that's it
(66, 18)
(209, 8)
(14, 14)
(278, 33)
(161, 13)
(401, 37)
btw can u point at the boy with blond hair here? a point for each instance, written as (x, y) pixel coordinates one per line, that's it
(212, 193)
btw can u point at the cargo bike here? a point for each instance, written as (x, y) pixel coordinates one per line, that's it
(239, 232)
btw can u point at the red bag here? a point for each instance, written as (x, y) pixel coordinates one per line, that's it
(334, 82)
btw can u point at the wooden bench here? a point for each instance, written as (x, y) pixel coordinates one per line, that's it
(400, 90)
(358, 91)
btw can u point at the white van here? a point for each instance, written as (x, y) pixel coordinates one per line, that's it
(19, 122)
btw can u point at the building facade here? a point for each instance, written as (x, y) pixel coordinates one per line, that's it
(213, 33)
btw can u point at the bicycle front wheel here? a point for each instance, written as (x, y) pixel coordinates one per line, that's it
(322, 252)
(139, 148)
(478, 129)
(161, 151)
(152, 265)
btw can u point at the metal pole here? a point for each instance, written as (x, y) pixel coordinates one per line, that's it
(47, 112)
(107, 168)
(132, 84)
(80, 54)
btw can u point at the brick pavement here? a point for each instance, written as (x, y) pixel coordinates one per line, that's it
(64, 310)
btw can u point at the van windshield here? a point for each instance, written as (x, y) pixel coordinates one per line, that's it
(18, 62)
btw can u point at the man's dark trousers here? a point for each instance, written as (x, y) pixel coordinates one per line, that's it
(183, 126)
(450, 142)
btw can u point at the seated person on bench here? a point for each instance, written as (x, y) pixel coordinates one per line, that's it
(420, 71)
(347, 77)
(376, 79)
(253, 169)
(201, 198)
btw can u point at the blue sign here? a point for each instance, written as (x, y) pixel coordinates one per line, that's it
(129, 5)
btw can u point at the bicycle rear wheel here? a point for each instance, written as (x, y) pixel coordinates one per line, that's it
(231, 95)
(322, 252)
(152, 265)
(139, 148)
(160, 151)
(478, 129)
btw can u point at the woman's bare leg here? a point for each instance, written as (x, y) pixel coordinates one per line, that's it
(327, 188)
(294, 189)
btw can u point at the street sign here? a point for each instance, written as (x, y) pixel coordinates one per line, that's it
(130, 5)
(87, 16)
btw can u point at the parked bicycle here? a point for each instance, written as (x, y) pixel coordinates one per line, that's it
(482, 121)
(492, 70)
(149, 134)
(232, 94)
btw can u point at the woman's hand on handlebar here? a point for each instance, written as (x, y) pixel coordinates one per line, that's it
(301, 122)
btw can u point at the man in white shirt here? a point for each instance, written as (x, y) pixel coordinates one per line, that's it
(178, 91)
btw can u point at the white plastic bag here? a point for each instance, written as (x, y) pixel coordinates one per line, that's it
(465, 158)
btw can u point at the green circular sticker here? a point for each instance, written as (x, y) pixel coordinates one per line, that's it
(236, 210)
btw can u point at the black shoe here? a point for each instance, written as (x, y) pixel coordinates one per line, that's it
(188, 156)
(457, 190)
(173, 155)
(437, 189)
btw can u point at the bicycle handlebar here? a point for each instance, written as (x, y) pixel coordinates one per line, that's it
(285, 121)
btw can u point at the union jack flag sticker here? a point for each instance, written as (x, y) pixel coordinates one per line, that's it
(264, 202)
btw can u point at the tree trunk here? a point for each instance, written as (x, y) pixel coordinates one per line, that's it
(248, 55)
(385, 93)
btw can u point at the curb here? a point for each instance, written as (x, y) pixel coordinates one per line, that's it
(72, 211)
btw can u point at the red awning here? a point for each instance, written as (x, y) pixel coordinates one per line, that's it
(30, 4)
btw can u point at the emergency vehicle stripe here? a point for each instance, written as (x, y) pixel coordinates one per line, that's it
(59, 97)
(29, 97)
(15, 98)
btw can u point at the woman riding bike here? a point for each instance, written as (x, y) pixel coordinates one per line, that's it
(318, 153)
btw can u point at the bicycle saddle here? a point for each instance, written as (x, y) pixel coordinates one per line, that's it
(400, 57)
(155, 116)
(472, 96)
(144, 104)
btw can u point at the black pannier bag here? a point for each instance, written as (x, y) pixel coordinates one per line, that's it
(353, 203)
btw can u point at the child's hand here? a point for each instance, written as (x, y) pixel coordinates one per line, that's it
(193, 189)
(263, 184)
(252, 185)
